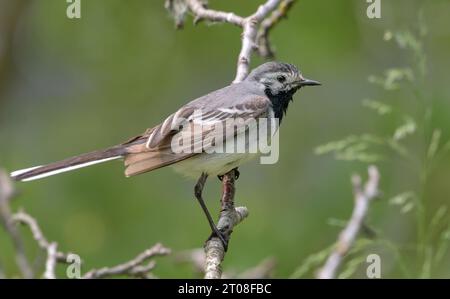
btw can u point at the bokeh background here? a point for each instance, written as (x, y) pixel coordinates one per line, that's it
(71, 86)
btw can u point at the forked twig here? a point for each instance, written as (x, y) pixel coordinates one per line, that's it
(363, 196)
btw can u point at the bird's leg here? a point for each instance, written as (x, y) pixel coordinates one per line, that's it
(226, 202)
(198, 190)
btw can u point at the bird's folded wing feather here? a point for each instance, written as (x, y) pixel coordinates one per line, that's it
(154, 148)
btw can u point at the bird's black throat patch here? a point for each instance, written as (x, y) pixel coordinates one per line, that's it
(280, 102)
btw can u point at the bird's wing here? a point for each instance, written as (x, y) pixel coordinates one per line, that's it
(154, 149)
(224, 123)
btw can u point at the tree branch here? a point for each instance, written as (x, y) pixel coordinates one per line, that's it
(133, 267)
(262, 38)
(136, 267)
(249, 38)
(229, 217)
(198, 8)
(50, 265)
(196, 257)
(26, 219)
(249, 25)
(6, 194)
(363, 197)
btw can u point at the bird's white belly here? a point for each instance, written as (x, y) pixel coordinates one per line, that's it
(212, 164)
(218, 163)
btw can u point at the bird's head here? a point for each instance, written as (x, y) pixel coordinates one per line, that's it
(279, 78)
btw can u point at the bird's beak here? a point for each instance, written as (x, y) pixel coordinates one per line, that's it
(307, 82)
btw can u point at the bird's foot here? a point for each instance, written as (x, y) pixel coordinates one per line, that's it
(236, 175)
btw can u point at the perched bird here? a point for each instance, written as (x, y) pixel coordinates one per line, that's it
(265, 93)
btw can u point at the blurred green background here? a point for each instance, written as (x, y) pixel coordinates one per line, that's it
(72, 86)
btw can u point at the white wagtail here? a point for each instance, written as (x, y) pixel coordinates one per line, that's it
(265, 93)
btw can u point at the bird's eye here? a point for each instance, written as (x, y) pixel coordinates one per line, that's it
(281, 78)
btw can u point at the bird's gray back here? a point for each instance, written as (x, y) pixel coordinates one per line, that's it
(228, 96)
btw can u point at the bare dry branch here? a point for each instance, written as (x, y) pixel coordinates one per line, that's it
(249, 25)
(196, 257)
(229, 217)
(249, 38)
(26, 219)
(53, 255)
(50, 265)
(6, 193)
(262, 38)
(363, 197)
(198, 8)
(133, 267)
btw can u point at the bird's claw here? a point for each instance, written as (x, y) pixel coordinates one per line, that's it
(236, 174)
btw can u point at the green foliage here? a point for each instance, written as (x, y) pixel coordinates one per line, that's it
(312, 263)
(379, 107)
(404, 200)
(392, 78)
(352, 148)
(369, 148)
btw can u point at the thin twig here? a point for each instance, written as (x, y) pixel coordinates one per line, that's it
(26, 219)
(363, 197)
(133, 267)
(249, 38)
(6, 193)
(262, 38)
(201, 13)
(248, 24)
(53, 255)
(50, 265)
(229, 217)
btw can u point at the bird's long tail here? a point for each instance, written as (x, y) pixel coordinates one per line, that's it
(69, 164)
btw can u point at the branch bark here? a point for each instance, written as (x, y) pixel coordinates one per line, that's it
(363, 196)
(133, 267)
(198, 8)
(228, 219)
(262, 38)
(250, 25)
(250, 28)
(6, 194)
(53, 255)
